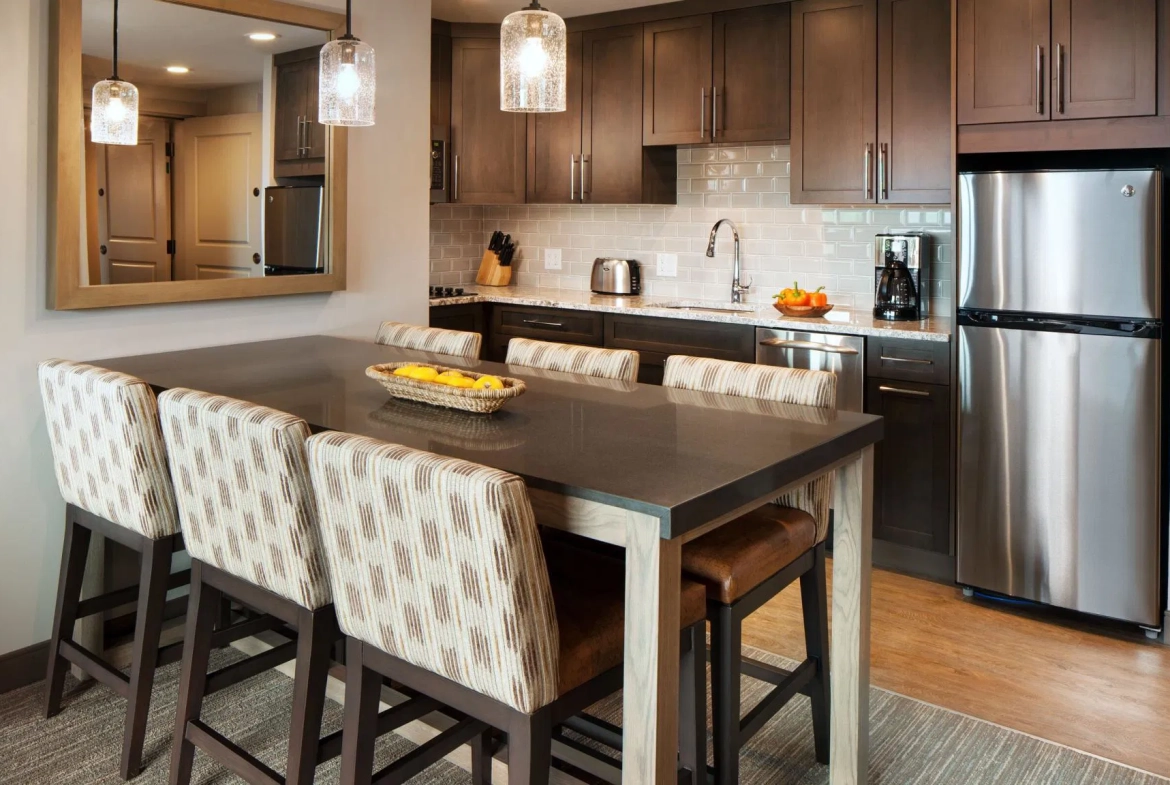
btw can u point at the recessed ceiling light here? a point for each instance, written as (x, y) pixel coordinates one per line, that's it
(178, 69)
(263, 36)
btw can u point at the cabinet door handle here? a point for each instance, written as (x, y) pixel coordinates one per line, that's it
(868, 169)
(308, 137)
(702, 114)
(455, 186)
(1059, 65)
(714, 112)
(1039, 79)
(884, 170)
(538, 323)
(573, 178)
(911, 360)
(586, 178)
(901, 391)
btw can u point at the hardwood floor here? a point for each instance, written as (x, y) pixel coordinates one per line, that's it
(1099, 689)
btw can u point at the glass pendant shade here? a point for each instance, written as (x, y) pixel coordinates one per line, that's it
(348, 83)
(114, 113)
(532, 61)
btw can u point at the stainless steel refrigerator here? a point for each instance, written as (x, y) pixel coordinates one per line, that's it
(1060, 434)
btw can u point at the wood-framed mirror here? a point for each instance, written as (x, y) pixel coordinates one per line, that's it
(234, 190)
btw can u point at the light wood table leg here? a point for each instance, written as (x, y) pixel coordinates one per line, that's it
(650, 702)
(849, 654)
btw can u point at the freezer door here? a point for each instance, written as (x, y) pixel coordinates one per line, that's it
(1058, 491)
(1084, 242)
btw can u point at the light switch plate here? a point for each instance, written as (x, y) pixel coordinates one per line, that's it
(668, 265)
(552, 258)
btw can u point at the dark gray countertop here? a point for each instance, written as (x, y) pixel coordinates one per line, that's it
(683, 457)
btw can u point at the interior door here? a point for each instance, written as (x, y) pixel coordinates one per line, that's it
(1107, 58)
(914, 106)
(134, 206)
(611, 140)
(752, 57)
(554, 141)
(834, 101)
(677, 77)
(1004, 61)
(218, 205)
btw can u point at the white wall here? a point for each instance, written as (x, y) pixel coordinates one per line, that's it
(388, 219)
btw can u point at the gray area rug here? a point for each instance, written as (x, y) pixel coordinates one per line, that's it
(912, 743)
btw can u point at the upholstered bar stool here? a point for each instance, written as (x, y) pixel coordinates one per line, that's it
(111, 467)
(443, 586)
(249, 520)
(748, 561)
(430, 339)
(620, 364)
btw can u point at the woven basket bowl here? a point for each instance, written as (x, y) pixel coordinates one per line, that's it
(462, 399)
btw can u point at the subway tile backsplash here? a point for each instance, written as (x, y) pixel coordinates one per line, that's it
(780, 242)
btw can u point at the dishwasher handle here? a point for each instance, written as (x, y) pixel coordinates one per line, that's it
(812, 346)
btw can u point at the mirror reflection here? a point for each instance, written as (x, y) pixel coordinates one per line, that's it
(228, 178)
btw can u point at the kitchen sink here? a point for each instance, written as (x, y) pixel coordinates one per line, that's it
(698, 305)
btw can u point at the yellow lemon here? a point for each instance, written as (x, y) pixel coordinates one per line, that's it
(424, 374)
(488, 383)
(461, 382)
(446, 376)
(405, 370)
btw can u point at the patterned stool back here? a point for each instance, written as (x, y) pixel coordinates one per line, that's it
(108, 450)
(766, 382)
(430, 339)
(620, 364)
(438, 562)
(245, 500)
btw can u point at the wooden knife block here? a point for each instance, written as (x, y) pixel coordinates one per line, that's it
(491, 272)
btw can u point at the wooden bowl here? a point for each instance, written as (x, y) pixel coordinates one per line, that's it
(802, 311)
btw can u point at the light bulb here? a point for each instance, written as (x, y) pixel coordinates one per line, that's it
(533, 58)
(116, 110)
(348, 81)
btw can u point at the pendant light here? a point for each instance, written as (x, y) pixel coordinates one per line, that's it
(347, 79)
(532, 61)
(114, 110)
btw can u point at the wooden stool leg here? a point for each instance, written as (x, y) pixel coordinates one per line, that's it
(725, 686)
(814, 597)
(315, 635)
(692, 703)
(529, 749)
(152, 598)
(74, 551)
(481, 759)
(363, 687)
(202, 611)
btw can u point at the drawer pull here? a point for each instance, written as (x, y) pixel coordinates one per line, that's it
(900, 391)
(910, 360)
(812, 346)
(538, 323)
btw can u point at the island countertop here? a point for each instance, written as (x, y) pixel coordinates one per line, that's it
(840, 320)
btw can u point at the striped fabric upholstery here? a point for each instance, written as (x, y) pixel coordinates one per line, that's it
(437, 561)
(429, 339)
(783, 385)
(620, 364)
(108, 450)
(245, 501)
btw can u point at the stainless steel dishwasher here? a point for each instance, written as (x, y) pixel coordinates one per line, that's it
(843, 355)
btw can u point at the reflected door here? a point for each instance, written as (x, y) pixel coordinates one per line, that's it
(134, 206)
(217, 197)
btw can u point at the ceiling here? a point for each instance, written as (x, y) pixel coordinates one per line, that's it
(496, 10)
(215, 46)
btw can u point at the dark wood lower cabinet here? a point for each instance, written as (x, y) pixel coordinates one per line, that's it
(468, 317)
(656, 339)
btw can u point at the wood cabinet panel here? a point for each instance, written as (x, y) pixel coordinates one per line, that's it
(1003, 61)
(677, 73)
(489, 145)
(752, 57)
(914, 107)
(611, 139)
(656, 339)
(902, 359)
(834, 100)
(554, 141)
(468, 317)
(291, 87)
(548, 324)
(1106, 58)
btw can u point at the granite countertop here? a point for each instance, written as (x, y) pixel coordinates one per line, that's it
(840, 320)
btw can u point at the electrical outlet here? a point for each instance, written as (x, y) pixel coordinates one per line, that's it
(552, 258)
(668, 265)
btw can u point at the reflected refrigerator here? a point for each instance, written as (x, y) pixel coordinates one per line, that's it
(1060, 399)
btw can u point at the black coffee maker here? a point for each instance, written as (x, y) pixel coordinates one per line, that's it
(901, 276)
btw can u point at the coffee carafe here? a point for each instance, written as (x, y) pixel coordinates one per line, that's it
(901, 276)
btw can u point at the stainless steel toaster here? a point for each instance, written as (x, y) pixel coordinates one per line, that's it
(616, 276)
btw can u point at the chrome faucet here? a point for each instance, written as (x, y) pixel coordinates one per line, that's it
(738, 290)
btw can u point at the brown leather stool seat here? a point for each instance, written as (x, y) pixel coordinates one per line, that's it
(589, 592)
(739, 556)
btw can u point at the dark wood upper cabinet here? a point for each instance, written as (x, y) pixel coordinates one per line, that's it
(914, 106)
(1004, 60)
(554, 141)
(298, 135)
(678, 88)
(1105, 58)
(834, 101)
(488, 145)
(751, 50)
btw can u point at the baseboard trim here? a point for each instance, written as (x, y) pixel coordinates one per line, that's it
(23, 667)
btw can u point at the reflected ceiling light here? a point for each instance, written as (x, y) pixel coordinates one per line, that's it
(263, 36)
(178, 69)
(348, 79)
(114, 116)
(532, 61)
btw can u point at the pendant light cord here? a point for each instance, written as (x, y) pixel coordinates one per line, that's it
(348, 19)
(115, 77)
